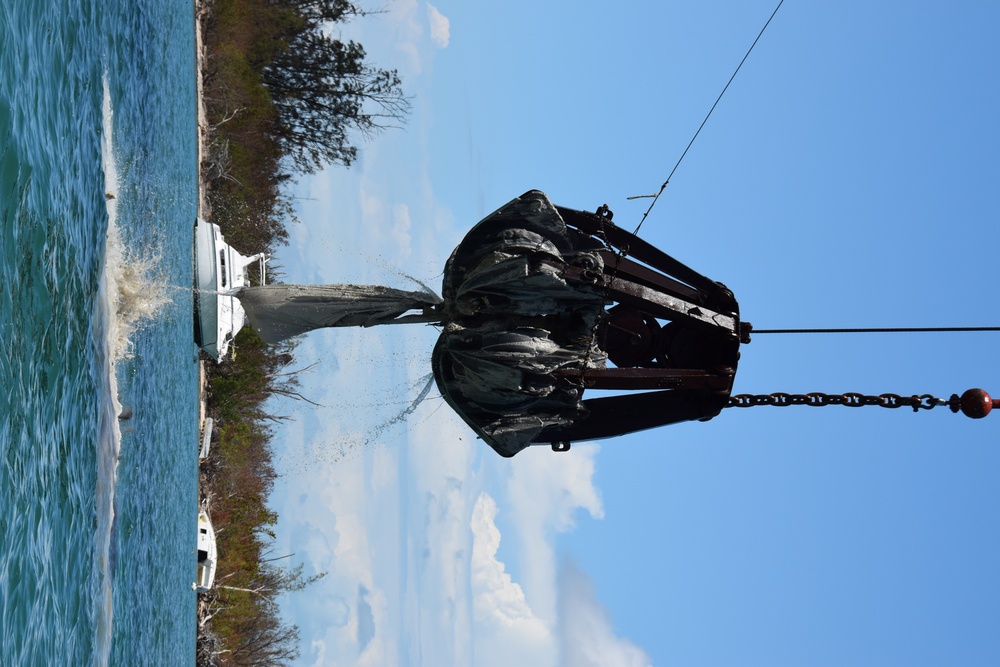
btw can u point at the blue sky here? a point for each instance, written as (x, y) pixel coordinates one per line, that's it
(848, 178)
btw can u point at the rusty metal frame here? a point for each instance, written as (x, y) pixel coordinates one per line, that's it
(683, 370)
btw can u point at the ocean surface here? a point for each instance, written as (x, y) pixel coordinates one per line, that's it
(98, 196)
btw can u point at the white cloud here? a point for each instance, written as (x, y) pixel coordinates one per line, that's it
(408, 32)
(328, 517)
(402, 519)
(497, 598)
(410, 521)
(385, 229)
(587, 638)
(440, 27)
(507, 632)
(443, 487)
(546, 491)
(562, 483)
(400, 232)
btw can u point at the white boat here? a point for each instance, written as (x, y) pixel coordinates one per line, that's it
(207, 556)
(220, 273)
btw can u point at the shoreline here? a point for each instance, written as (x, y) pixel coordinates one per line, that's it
(200, 10)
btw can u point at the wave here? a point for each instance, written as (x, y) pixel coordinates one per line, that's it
(128, 294)
(106, 335)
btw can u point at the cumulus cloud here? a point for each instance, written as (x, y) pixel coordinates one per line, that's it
(409, 538)
(507, 630)
(438, 619)
(329, 524)
(440, 27)
(497, 598)
(587, 637)
(546, 492)
(404, 530)
(562, 483)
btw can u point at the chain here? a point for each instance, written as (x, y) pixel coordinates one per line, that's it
(850, 399)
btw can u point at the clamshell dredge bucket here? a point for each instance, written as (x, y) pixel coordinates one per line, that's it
(542, 303)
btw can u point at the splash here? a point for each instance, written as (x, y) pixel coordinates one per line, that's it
(136, 291)
(132, 287)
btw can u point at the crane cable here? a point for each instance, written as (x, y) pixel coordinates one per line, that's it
(873, 330)
(707, 116)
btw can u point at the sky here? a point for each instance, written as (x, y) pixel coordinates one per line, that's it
(847, 179)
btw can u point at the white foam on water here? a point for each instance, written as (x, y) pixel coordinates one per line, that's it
(104, 328)
(128, 294)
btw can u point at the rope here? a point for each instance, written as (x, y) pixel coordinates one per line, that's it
(707, 116)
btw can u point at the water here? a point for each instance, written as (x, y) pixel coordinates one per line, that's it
(97, 517)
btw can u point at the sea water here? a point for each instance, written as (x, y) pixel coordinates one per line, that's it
(98, 196)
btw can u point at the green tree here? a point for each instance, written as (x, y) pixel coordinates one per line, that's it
(333, 11)
(322, 89)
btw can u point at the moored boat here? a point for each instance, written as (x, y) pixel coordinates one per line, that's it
(220, 273)
(207, 555)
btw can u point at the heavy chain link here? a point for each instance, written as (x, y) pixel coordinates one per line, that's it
(850, 399)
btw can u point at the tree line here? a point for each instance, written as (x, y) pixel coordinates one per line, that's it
(284, 96)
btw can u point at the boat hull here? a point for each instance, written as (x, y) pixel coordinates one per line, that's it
(220, 274)
(206, 280)
(208, 559)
